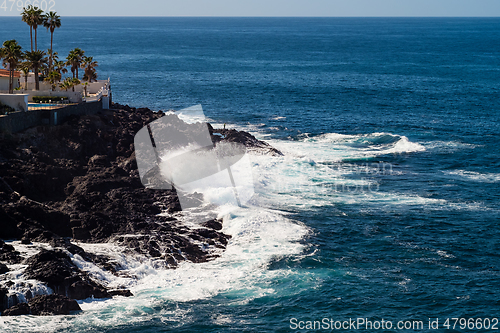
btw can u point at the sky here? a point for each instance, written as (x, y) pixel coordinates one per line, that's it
(261, 7)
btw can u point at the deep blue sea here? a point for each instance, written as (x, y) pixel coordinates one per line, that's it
(386, 203)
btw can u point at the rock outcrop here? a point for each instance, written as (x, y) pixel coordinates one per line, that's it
(44, 305)
(79, 181)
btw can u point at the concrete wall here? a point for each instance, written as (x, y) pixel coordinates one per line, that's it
(80, 109)
(19, 121)
(74, 97)
(4, 83)
(17, 101)
(92, 88)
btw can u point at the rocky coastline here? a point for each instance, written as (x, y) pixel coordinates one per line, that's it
(78, 183)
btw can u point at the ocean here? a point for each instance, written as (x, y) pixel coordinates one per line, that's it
(385, 205)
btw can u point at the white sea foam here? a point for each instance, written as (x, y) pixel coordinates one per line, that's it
(261, 233)
(335, 147)
(258, 236)
(475, 176)
(448, 146)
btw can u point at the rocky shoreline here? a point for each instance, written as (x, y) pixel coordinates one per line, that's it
(78, 182)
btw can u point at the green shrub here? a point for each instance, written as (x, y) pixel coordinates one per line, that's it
(46, 99)
(5, 109)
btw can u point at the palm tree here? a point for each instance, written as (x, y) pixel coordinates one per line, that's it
(67, 84)
(44, 68)
(74, 59)
(85, 87)
(37, 19)
(36, 59)
(53, 78)
(60, 67)
(51, 21)
(27, 17)
(12, 53)
(89, 65)
(64, 85)
(25, 69)
(75, 82)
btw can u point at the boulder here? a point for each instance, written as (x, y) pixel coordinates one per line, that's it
(56, 269)
(121, 292)
(213, 224)
(9, 254)
(47, 305)
(17, 310)
(3, 268)
(44, 305)
(3, 299)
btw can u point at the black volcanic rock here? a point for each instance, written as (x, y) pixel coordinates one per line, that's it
(3, 299)
(38, 214)
(121, 292)
(3, 268)
(47, 305)
(246, 139)
(9, 226)
(9, 254)
(44, 305)
(51, 267)
(213, 224)
(17, 310)
(80, 180)
(56, 269)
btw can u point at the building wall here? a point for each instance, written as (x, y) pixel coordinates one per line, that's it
(4, 83)
(74, 97)
(19, 121)
(92, 88)
(19, 102)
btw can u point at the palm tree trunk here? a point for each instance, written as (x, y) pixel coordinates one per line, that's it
(37, 84)
(50, 58)
(31, 37)
(11, 80)
(36, 47)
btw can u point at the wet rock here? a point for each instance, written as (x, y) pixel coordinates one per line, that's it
(212, 224)
(47, 305)
(44, 305)
(3, 268)
(84, 289)
(25, 240)
(3, 299)
(17, 310)
(121, 292)
(9, 254)
(51, 267)
(56, 269)
(246, 139)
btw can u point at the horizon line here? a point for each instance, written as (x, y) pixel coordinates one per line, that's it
(262, 16)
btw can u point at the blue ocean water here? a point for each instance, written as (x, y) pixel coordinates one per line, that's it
(386, 204)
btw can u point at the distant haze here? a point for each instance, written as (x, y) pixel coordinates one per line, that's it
(450, 8)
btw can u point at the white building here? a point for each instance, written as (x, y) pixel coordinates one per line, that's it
(4, 80)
